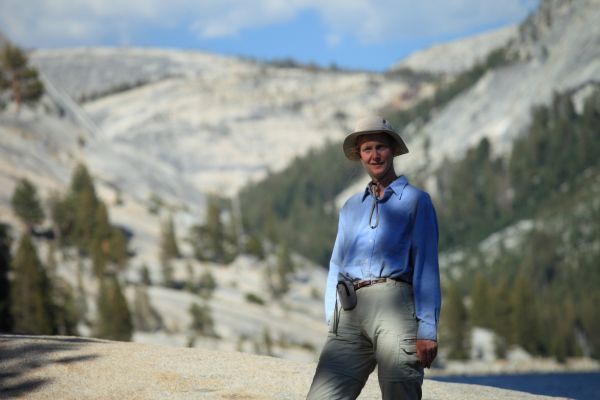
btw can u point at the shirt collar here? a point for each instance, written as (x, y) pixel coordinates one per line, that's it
(396, 187)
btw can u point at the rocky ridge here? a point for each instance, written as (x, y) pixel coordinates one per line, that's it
(459, 55)
(556, 51)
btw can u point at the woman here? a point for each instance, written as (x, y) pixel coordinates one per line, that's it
(385, 266)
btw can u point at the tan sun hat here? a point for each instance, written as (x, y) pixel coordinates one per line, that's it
(369, 125)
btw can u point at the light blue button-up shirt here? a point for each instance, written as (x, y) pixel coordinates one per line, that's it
(403, 245)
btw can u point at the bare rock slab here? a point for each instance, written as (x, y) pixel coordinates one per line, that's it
(58, 367)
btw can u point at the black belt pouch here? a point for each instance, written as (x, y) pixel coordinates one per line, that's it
(347, 295)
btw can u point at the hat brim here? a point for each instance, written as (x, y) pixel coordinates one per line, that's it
(349, 146)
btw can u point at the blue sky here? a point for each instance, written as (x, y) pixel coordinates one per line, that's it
(358, 34)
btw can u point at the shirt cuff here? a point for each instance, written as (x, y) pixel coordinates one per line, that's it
(426, 331)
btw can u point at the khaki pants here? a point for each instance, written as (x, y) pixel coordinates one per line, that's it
(381, 330)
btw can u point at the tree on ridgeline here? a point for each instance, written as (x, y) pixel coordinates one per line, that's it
(26, 205)
(5, 292)
(31, 300)
(18, 77)
(113, 320)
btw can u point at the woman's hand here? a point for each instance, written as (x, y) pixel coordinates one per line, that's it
(426, 351)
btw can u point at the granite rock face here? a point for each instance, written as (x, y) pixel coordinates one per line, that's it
(53, 367)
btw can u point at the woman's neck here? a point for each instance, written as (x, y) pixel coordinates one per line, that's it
(385, 181)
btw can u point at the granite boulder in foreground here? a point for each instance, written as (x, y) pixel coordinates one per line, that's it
(58, 367)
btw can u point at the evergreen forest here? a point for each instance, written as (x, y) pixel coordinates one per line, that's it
(40, 300)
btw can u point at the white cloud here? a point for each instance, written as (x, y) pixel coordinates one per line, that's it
(380, 20)
(69, 22)
(333, 40)
(230, 17)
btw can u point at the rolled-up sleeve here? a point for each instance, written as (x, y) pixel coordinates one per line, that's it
(426, 276)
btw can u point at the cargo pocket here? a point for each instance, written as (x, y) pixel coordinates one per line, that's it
(397, 358)
(409, 364)
(409, 350)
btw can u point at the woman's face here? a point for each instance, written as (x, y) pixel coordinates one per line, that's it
(376, 154)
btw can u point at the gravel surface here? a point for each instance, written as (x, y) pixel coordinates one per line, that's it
(56, 367)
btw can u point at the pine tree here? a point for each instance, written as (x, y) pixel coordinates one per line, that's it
(267, 341)
(284, 268)
(31, 299)
(63, 218)
(145, 277)
(190, 283)
(80, 295)
(456, 324)
(74, 215)
(202, 322)
(26, 204)
(119, 252)
(86, 204)
(114, 319)
(3, 86)
(168, 251)
(207, 284)
(145, 317)
(66, 310)
(590, 319)
(254, 246)
(167, 272)
(101, 240)
(168, 243)
(22, 80)
(214, 228)
(5, 261)
(481, 302)
(523, 319)
(501, 307)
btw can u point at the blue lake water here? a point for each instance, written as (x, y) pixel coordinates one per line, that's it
(580, 386)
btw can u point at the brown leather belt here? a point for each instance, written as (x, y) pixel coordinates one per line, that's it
(369, 282)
